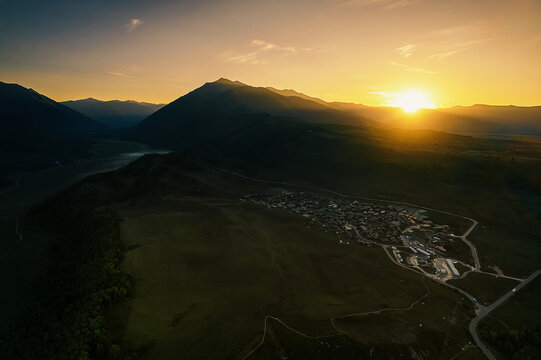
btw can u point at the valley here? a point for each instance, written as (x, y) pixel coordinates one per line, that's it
(270, 236)
(30, 251)
(270, 180)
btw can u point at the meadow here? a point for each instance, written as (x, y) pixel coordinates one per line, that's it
(514, 330)
(208, 270)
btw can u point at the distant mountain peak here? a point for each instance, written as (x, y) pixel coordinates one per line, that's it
(224, 81)
(114, 113)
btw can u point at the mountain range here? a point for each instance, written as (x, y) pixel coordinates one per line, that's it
(114, 113)
(28, 113)
(178, 216)
(32, 123)
(456, 119)
(224, 107)
(36, 131)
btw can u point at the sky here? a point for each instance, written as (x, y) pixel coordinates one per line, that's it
(458, 52)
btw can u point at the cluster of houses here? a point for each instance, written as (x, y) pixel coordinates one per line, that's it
(419, 239)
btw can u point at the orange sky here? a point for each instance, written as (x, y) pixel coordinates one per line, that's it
(458, 52)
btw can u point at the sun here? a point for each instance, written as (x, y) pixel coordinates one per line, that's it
(412, 100)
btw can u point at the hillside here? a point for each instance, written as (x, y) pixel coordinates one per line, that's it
(172, 259)
(114, 113)
(488, 118)
(26, 110)
(34, 129)
(224, 107)
(457, 119)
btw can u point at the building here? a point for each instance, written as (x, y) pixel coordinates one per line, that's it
(452, 267)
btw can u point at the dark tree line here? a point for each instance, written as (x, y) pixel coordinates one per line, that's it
(522, 344)
(84, 280)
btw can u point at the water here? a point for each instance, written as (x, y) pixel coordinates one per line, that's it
(34, 187)
(23, 258)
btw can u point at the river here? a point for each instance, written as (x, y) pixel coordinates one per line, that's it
(33, 187)
(24, 252)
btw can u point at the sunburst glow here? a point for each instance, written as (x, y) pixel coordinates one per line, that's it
(412, 100)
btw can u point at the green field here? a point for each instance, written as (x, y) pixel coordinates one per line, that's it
(208, 270)
(8, 238)
(514, 329)
(515, 253)
(486, 288)
(20, 267)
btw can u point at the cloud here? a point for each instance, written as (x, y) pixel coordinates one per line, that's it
(444, 54)
(456, 39)
(133, 24)
(116, 73)
(128, 70)
(379, 4)
(405, 50)
(412, 68)
(260, 48)
(265, 46)
(248, 58)
(457, 48)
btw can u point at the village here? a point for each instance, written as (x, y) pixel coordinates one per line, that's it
(413, 239)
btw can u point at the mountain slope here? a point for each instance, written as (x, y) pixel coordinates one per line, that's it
(457, 119)
(24, 109)
(36, 131)
(114, 113)
(224, 107)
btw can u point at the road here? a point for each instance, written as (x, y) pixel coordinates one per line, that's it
(486, 310)
(464, 236)
(480, 310)
(473, 249)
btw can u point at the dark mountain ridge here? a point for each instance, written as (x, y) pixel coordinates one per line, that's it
(26, 109)
(509, 119)
(114, 113)
(223, 107)
(36, 131)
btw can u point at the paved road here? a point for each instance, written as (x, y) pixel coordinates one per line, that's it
(480, 310)
(472, 247)
(486, 310)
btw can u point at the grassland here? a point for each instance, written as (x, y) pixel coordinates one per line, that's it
(406, 333)
(8, 238)
(21, 267)
(515, 253)
(514, 330)
(485, 288)
(493, 181)
(209, 268)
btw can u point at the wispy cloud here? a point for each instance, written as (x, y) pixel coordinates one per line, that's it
(406, 50)
(124, 70)
(462, 30)
(456, 48)
(412, 68)
(260, 48)
(380, 4)
(265, 46)
(459, 38)
(117, 73)
(247, 58)
(133, 24)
